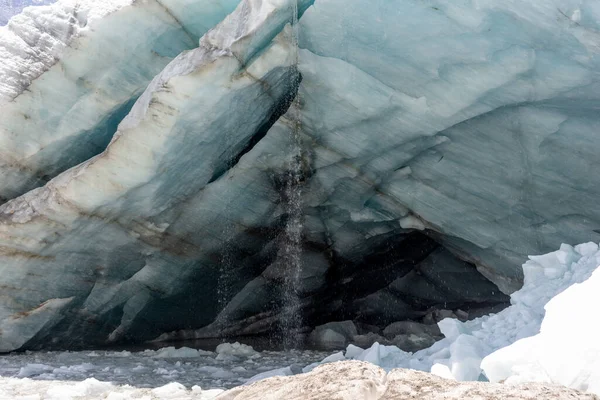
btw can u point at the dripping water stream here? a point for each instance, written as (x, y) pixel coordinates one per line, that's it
(226, 261)
(225, 271)
(290, 251)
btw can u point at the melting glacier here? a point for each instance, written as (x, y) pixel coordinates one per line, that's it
(409, 157)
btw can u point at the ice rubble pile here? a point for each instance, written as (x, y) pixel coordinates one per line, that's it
(182, 352)
(567, 349)
(91, 388)
(147, 369)
(560, 295)
(224, 352)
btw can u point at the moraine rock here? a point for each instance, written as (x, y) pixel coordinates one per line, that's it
(355, 380)
(411, 328)
(333, 335)
(411, 336)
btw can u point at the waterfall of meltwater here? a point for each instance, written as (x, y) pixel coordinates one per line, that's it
(225, 276)
(290, 251)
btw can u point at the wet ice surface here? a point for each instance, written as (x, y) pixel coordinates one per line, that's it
(154, 368)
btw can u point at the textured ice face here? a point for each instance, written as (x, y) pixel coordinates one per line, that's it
(478, 117)
(474, 122)
(121, 202)
(70, 72)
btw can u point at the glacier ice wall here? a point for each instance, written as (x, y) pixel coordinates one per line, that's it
(470, 125)
(70, 72)
(109, 250)
(479, 117)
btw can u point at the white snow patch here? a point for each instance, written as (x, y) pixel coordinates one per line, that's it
(567, 349)
(170, 391)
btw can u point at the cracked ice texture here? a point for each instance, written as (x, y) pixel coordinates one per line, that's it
(70, 71)
(99, 232)
(480, 117)
(475, 121)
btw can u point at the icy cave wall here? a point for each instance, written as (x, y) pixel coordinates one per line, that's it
(428, 141)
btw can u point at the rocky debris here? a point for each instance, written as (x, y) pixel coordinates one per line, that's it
(408, 335)
(411, 328)
(365, 341)
(409, 343)
(413, 343)
(356, 380)
(366, 328)
(412, 336)
(333, 335)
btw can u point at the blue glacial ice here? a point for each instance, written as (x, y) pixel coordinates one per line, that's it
(470, 126)
(478, 117)
(70, 72)
(108, 215)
